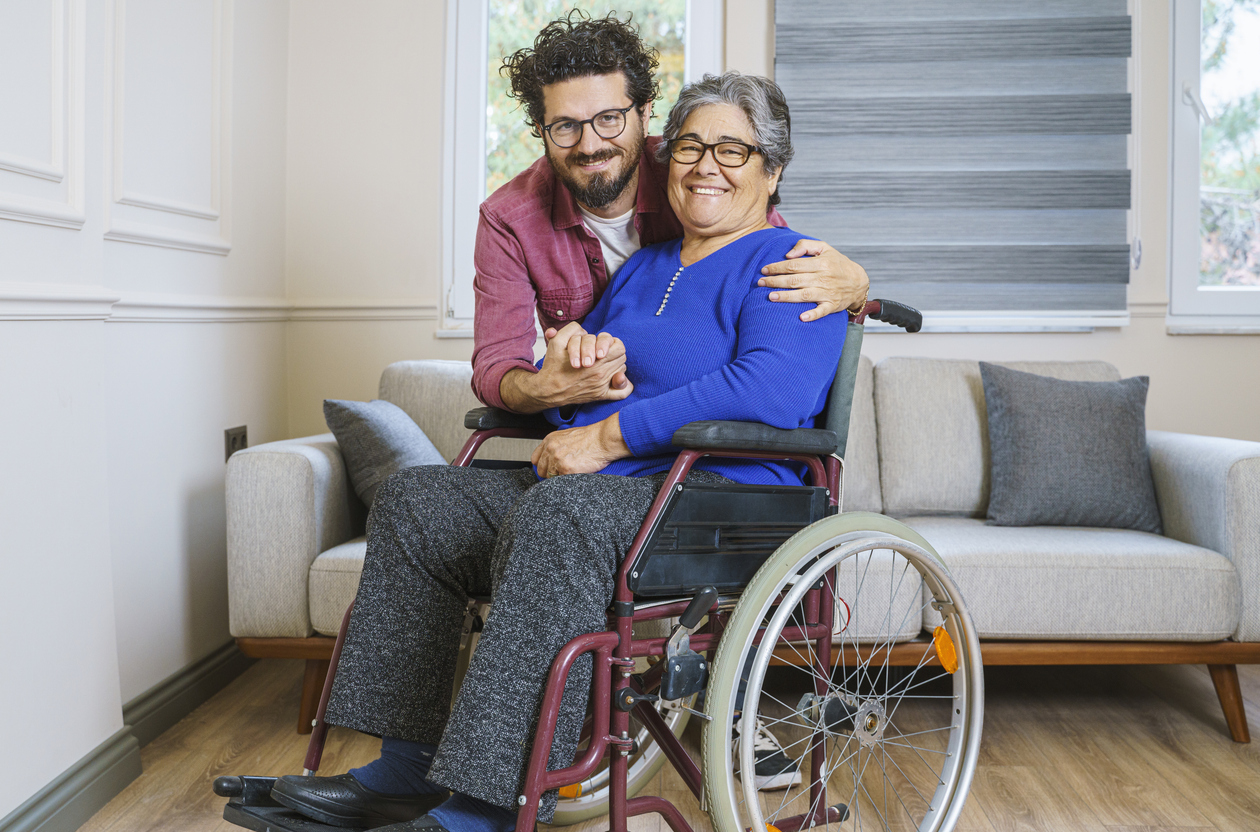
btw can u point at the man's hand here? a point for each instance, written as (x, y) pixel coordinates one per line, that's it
(579, 367)
(825, 277)
(584, 450)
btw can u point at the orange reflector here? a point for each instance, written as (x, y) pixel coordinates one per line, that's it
(571, 792)
(770, 827)
(945, 649)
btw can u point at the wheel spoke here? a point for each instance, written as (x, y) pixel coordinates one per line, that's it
(898, 718)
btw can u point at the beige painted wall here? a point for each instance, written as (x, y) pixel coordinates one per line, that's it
(338, 247)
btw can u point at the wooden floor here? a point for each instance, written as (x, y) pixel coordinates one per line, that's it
(1099, 749)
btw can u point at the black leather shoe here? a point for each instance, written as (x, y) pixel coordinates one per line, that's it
(344, 801)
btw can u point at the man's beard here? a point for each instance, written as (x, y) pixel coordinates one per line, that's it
(601, 189)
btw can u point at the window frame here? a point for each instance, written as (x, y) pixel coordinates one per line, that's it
(463, 139)
(1193, 309)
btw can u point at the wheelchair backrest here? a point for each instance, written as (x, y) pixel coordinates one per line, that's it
(835, 415)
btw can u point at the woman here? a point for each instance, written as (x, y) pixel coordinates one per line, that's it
(704, 342)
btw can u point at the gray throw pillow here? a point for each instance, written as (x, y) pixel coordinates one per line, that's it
(1068, 453)
(377, 439)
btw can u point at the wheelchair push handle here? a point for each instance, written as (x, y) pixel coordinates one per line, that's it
(698, 608)
(891, 312)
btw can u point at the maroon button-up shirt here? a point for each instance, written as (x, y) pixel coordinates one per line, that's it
(533, 253)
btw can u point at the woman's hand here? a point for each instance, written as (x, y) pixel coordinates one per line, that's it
(584, 450)
(825, 277)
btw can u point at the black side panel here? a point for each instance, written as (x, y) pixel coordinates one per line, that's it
(719, 535)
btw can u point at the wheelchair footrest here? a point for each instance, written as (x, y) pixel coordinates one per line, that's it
(272, 819)
(685, 673)
(250, 806)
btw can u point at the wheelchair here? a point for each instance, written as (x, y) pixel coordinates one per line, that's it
(740, 603)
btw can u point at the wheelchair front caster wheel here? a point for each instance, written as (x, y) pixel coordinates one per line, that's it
(881, 717)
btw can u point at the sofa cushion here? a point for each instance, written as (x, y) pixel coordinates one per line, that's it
(861, 457)
(1083, 583)
(1068, 453)
(933, 439)
(377, 439)
(873, 579)
(437, 394)
(333, 582)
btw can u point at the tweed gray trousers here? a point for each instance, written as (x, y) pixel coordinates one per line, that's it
(546, 552)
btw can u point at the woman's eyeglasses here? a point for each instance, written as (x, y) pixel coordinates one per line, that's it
(726, 154)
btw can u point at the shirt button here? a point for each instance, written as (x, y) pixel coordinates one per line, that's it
(559, 313)
(594, 259)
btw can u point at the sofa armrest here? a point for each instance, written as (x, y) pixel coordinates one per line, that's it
(1209, 495)
(286, 502)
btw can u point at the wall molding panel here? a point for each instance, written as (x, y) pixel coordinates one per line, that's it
(55, 302)
(50, 191)
(69, 302)
(363, 310)
(168, 221)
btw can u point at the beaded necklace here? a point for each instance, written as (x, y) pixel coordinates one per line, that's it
(669, 289)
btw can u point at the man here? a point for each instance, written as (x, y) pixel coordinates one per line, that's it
(551, 249)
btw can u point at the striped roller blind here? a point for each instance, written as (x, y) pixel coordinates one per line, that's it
(970, 154)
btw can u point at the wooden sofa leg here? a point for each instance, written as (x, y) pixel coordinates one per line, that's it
(1225, 677)
(317, 670)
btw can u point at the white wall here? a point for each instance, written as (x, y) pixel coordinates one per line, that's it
(141, 313)
(1204, 384)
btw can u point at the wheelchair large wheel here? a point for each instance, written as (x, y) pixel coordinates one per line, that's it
(883, 724)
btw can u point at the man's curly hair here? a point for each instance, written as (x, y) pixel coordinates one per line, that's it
(577, 46)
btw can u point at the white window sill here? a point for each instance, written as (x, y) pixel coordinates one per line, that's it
(1212, 324)
(1011, 321)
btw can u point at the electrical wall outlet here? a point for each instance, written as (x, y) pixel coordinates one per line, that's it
(234, 439)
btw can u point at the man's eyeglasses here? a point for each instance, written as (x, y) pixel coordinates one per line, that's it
(726, 154)
(607, 125)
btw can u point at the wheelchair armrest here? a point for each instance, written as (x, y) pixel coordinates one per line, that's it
(489, 418)
(755, 436)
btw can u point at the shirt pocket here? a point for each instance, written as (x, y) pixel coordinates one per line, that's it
(557, 307)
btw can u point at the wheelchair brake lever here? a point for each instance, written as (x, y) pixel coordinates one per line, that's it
(689, 622)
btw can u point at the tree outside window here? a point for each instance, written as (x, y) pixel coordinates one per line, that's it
(513, 24)
(1229, 193)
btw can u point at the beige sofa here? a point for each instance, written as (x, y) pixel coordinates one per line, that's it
(918, 451)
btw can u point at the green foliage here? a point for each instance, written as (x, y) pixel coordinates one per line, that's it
(513, 25)
(1217, 26)
(1229, 152)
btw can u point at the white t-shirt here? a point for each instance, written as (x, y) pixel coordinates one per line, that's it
(618, 238)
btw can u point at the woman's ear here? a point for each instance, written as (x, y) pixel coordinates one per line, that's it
(774, 181)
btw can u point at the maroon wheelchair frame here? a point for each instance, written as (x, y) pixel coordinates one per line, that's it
(615, 651)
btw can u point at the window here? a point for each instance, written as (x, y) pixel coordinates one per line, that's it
(486, 140)
(1215, 263)
(973, 157)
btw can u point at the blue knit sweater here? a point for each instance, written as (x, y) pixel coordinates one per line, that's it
(720, 349)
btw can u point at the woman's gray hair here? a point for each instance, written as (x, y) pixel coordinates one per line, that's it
(761, 101)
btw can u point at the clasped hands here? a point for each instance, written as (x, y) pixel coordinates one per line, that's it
(588, 368)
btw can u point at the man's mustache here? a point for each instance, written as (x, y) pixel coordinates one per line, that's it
(593, 158)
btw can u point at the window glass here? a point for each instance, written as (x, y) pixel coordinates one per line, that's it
(513, 24)
(1229, 192)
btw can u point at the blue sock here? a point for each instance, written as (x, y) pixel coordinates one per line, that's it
(402, 768)
(462, 813)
